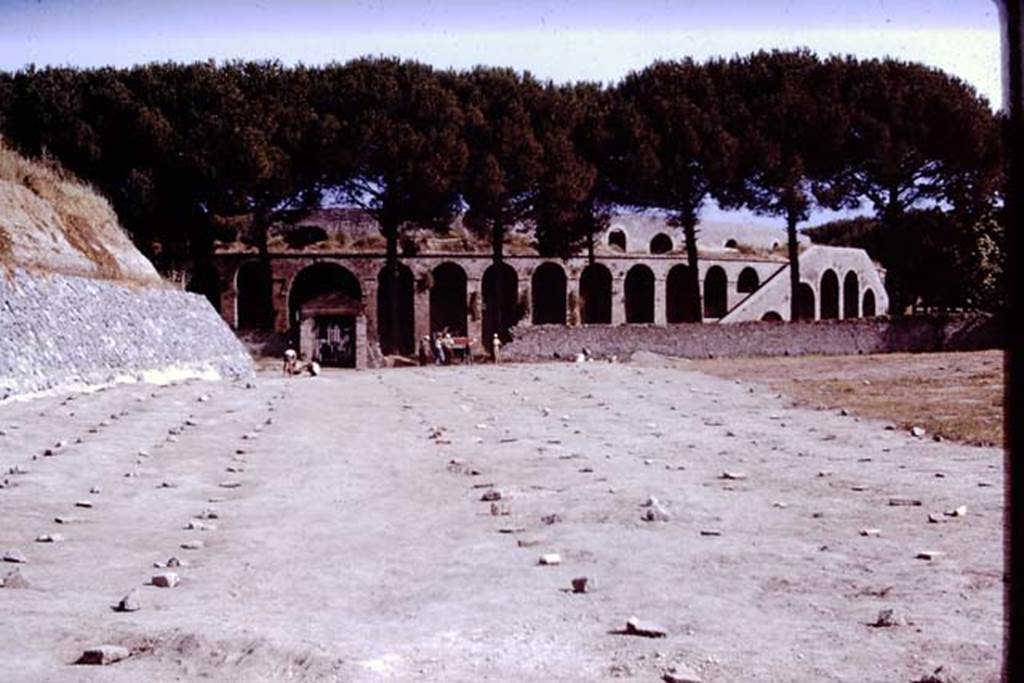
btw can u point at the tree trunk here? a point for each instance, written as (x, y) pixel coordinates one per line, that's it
(590, 247)
(792, 218)
(688, 221)
(260, 227)
(388, 331)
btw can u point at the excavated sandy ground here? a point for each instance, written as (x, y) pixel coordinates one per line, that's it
(355, 550)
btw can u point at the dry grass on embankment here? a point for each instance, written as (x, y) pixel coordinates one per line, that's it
(958, 396)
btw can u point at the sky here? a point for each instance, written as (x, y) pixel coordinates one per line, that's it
(561, 40)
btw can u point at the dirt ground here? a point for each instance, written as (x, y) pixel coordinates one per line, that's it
(356, 545)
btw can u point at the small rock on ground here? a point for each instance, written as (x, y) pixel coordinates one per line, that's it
(103, 655)
(130, 602)
(15, 555)
(166, 580)
(635, 627)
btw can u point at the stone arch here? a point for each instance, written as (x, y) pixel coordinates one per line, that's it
(596, 295)
(661, 244)
(617, 238)
(868, 308)
(731, 243)
(748, 281)
(395, 312)
(805, 308)
(254, 303)
(771, 317)
(829, 295)
(851, 295)
(640, 295)
(548, 288)
(682, 298)
(205, 280)
(716, 297)
(448, 299)
(325, 301)
(501, 299)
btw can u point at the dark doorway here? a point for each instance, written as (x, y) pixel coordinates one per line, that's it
(639, 295)
(748, 281)
(319, 279)
(501, 299)
(448, 300)
(596, 295)
(395, 316)
(335, 343)
(829, 295)
(851, 295)
(661, 244)
(548, 294)
(206, 281)
(869, 304)
(254, 302)
(804, 302)
(682, 298)
(716, 295)
(771, 317)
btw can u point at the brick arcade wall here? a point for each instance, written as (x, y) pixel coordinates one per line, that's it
(827, 337)
(59, 331)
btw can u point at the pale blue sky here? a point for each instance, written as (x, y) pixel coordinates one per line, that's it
(560, 40)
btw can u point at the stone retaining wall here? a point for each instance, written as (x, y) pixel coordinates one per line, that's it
(60, 331)
(826, 337)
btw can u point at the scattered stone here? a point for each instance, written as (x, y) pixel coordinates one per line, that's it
(230, 484)
(130, 602)
(529, 542)
(235, 469)
(551, 519)
(192, 545)
(216, 499)
(15, 555)
(250, 436)
(904, 502)
(779, 504)
(492, 495)
(940, 675)
(960, 511)
(102, 655)
(917, 432)
(871, 532)
(710, 532)
(680, 673)
(167, 485)
(17, 469)
(166, 580)
(934, 519)
(198, 525)
(209, 513)
(14, 579)
(50, 538)
(887, 618)
(95, 490)
(650, 502)
(656, 513)
(937, 438)
(511, 530)
(635, 627)
(929, 555)
(67, 519)
(733, 475)
(550, 559)
(83, 504)
(579, 584)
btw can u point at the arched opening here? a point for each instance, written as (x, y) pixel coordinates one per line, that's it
(731, 244)
(829, 295)
(596, 295)
(661, 244)
(323, 303)
(205, 280)
(851, 295)
(748, 281)
(501, 298)
(617, 238)
(639, 295)
(682, 296)
(804, 302)
(395, 316)
(869, 304)
(771, 317)
(547, 289)
(255, 305)
(715, 292)
(448, 300)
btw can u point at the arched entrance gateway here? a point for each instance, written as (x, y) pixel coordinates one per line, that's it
(395, 317)
(325, 305)
(682, 300)
(596, 295)
(829, 295)
(501, 299)
(448, 300)
(547, 289)
(640, 295)
(868, 309)
(851, 296)
(804, 302)
(716, 294)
